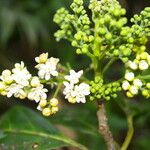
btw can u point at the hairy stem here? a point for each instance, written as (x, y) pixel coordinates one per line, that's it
(104, 128)
(129, 133)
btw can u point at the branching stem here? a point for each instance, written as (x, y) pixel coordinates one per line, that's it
(104, 128)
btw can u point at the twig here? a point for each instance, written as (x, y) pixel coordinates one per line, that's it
(104, 128)
(129, 133)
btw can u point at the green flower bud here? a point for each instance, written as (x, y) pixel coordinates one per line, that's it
(107, 18)
(145, 93)
(91, 98)
(116, 52)
(102, 31)
(123, 11)
(78, 51)
(116, 13)
(108, 36)
(148, 85)
(74, 43)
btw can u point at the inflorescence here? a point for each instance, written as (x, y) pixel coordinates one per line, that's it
(19, 83)
(106, 36)
(103, 36)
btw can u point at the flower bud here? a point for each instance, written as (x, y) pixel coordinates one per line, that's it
(145, 93)
(143, 65)
(129, 76)
(125, 85)
(54, 102)
(35, 82)
(72, 100)
(137, 82)
(133, 90)
(6, 73)
(43, 58)
(46, 112)
(54, 110)
(129, 94)
(43, 103)
(148, 85)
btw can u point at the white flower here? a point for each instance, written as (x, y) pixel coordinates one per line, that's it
(20, 74)
(143, 65)
(16, 90)
(74, 76)
(6, 76)
(133, 90)
(35, 82)
(2, 86)
(48, 69)
(39, 108)
(38, 93)
(125, 85)
(129, 76)
(42, 58)
(81, 91)
(76, 93)
(137, 82)
(68, 90)
(132, 65)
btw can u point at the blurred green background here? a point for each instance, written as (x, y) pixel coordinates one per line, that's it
(26, 30)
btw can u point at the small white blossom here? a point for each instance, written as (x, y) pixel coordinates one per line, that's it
(38, 93)
(48, 69)
(132, 65)
(137, 82)
(81, 91)
(76, 93)
(143, 65)
(129, 76)
(133, 90)
(68, 90)
(20, 74)
(39, 108)
(35, 82)
(125, 85)
(6, 76)
(16, 90)
(74, 76)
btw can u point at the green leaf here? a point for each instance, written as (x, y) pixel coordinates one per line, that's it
(78, 118)
(21, 128)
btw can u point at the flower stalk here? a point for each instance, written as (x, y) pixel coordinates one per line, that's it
(104, 127)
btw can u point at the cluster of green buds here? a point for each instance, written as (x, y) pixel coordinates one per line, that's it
(105, 37)
(99, 90)
(135, 81)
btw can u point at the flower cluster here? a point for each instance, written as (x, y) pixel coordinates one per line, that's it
(75, 92)
(21, 84)
(100, 90)
(134, 79)
(104, 38)
(46, 66)
(48, 107)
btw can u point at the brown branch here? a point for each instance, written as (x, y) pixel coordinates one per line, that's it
(104, 128)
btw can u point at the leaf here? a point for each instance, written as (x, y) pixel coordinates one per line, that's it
(22, 128)
(79, 119)
(82, 120)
